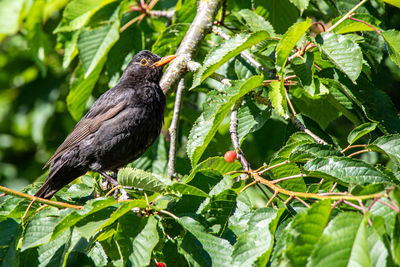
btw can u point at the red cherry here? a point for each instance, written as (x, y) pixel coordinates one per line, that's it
(161, 264)
(230, 156)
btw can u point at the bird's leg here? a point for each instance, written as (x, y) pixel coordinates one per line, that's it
(109, 178)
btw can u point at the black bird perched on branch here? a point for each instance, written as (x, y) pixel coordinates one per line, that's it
(120, 126)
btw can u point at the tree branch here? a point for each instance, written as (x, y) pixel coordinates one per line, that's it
(38, 199)
(206, 12)
(173, 129)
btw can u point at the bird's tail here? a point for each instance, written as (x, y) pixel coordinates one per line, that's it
(59, 176)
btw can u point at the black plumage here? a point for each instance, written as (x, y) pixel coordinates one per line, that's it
(120, 126)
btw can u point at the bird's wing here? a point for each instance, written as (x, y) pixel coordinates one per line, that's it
(86, 126)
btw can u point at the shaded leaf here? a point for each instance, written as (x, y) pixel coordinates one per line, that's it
(227, 50)
(392, 39)
(360, 131)
(201, 248)
(169, 40)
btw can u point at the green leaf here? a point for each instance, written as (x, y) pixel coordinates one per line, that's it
(251, 118)
(80, 89)
(40, 228)
(396, 239)
(144, 243)
(289, 41)
(257, 241)
(9, 232)
(346, 170)
(74, 217)
(392, 39)
(389, 144)
(318, 107)
(204, 129)
(94, 44)
(78, 12)
(38, 41)
(360, 131)
(9, 15)
(305, 232)
(214, 164)
(227, 50)
(349, 25)
(141, 179)
(169, 40)
(201, 248)
(306, 152)
(219, 208)
(300, 4)
(253, 21)
(303, 68)
(52, 253)
(343, 243)
(185, 189)
(277, 96)
(395, 3)
(345, 54)
(377, 250)
(280, 13)
(185, 11)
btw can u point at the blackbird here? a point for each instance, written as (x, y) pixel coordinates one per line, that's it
(120, 126)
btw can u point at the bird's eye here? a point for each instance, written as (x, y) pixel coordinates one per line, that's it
(144, 62)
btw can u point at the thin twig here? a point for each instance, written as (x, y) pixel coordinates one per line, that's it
(337, 203)
(173, 129)
(112, 190)
(351, 147)
(272, 198)
(38, 199)
(202, 23)
(332, 196)
(141, 16)
(387, 205)
(288, 178)
(359, 152)
(353, 205)
(348, 14)
(271, 167)
(247, 186)
(289, 102)
(27, 209)
(302, 201)
(169, 214)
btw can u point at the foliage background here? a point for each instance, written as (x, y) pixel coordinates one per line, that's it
(52, 69)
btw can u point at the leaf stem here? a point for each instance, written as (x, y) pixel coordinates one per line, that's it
(366, 23)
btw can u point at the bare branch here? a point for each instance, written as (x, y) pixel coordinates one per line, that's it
(173, 129)
(206, 12)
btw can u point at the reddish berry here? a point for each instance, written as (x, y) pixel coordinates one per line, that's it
(230, 156)
(161, 264)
